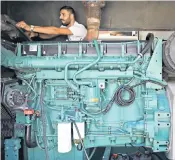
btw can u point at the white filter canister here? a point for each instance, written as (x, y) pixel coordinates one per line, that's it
(81, 129)
(64, 137)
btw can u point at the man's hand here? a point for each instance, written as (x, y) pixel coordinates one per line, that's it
(23, 25)
(45, 30)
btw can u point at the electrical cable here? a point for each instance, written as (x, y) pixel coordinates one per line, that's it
(120, 100)
(42, 148)
(44, 124)
(151, 81)
(118, 94)
(79, 135)
(31, 82)
(136, 147)
(30, 88)
(117, 98)
(144, 148)
(109, 105)
(127, 153)
(134, 153)
(36, 136)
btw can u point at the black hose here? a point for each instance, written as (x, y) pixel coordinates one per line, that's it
(29, 142)
(150, 39)
(160, 158)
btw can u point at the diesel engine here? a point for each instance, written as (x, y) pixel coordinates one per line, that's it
(72, 96)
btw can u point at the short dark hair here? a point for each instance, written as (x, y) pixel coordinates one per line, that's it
(68, 8)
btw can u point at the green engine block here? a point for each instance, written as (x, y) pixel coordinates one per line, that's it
(87, 94)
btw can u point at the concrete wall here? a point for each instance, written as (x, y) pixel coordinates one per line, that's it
(123, 15)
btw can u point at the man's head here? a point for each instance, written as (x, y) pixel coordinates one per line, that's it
(67, 15)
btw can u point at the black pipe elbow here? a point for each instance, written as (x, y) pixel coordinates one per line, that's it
(28, 140)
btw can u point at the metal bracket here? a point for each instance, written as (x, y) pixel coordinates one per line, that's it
(12, 147)
(107, 153)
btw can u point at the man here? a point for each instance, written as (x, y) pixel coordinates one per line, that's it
(69, 27)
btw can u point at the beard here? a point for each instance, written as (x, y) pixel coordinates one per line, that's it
(65, 24)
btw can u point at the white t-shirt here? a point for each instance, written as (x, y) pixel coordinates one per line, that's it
(78, 32)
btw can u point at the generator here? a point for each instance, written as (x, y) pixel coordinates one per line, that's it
(70, 97)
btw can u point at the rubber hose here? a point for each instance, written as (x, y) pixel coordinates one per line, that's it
(29, 142)
(150, 39)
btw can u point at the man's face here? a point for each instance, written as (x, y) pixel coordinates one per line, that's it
(65, 17)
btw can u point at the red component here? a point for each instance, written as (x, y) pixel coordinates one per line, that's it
(115, 156)
(28, 111)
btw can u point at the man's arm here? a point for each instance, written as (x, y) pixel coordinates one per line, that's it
(52, 30)
(46, 36)
(45, 30)
(40, 35)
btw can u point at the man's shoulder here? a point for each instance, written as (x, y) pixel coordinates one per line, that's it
(76, 24)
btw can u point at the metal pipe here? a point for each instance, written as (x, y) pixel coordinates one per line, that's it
(74, 78)
(88, 66)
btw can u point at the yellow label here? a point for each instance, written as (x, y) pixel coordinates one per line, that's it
(94, 100)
